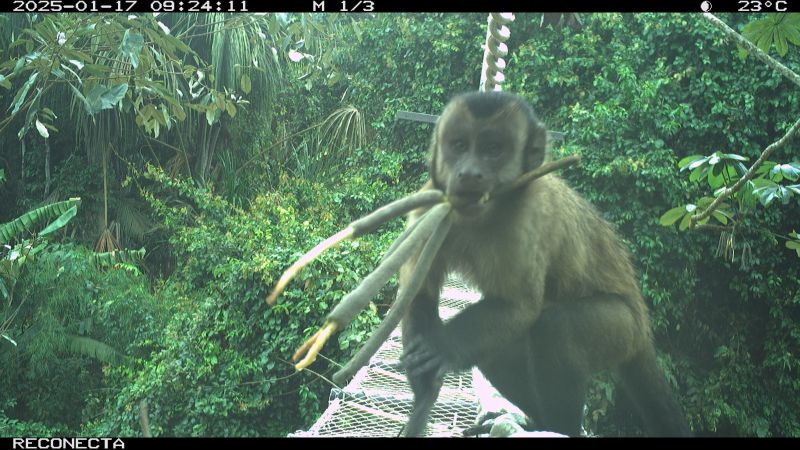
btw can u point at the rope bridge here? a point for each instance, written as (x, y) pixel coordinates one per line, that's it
(378, 399)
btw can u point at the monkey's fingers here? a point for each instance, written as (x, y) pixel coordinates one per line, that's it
(304, 260)
(423, 360)
(313, 345)
(411, 347)
(433, 365)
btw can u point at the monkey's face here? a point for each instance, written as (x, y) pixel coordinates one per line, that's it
(474, 154)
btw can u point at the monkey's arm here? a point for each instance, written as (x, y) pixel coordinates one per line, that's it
(482, 329)
(420, 324)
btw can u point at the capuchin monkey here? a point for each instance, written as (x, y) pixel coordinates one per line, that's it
(561, 299)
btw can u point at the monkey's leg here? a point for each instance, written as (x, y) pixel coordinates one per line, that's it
(558, 379)
(511, 373)
(603, 332)
(574, 339)
(541, 382)
(547, 376)
(652, 395)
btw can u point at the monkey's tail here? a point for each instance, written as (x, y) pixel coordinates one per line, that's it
(651, 393)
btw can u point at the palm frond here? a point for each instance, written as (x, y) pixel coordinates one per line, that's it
(92, 348)
(32, 220)
(345, 128)
(132, 219)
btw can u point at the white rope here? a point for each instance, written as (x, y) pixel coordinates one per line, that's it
(494, 50)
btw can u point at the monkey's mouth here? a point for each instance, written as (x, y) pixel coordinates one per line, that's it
(468, 203)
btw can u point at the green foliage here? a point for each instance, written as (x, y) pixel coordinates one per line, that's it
(774, 30)
(94, 349)
(723, 171)
(719, 168)
(794, 243)
(16, 428)
(222, 369)
(685, 213)
(70, 319)
(345, 127)
(128, 257)
(71, 55)
(28, 222)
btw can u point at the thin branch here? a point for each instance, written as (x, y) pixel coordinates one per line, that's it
(538, 172)
(544, 169)
(400, 306)
(429, 232)
(313, 345)
(731, 34)
(712, 227)
(357, 299)
(751, 173)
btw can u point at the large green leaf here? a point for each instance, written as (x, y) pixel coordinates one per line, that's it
(20, 97)
(790, 171)
(773, 191)
(131, 46)
(101, 97)
(42, 129)
(80, 96)
(29, 221)
(93, 348)
(672, 216)
(794, 244)
(775, 29)
(683, 163)
(61, 221)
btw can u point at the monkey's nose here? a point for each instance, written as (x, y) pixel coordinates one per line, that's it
(470, 178)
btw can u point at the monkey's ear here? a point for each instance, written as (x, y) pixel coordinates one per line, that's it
(536, 145)
(433, 150)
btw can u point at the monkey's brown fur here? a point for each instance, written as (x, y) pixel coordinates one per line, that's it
(561, 299)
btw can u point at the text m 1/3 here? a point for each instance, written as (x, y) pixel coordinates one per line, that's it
(344, 6)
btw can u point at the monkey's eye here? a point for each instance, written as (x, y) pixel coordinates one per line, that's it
(493, 150)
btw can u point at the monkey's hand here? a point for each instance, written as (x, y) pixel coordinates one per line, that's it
(429, 354)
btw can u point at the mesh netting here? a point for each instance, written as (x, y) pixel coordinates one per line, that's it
(377, 401)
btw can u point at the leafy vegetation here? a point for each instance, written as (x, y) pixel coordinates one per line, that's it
(210, 150)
